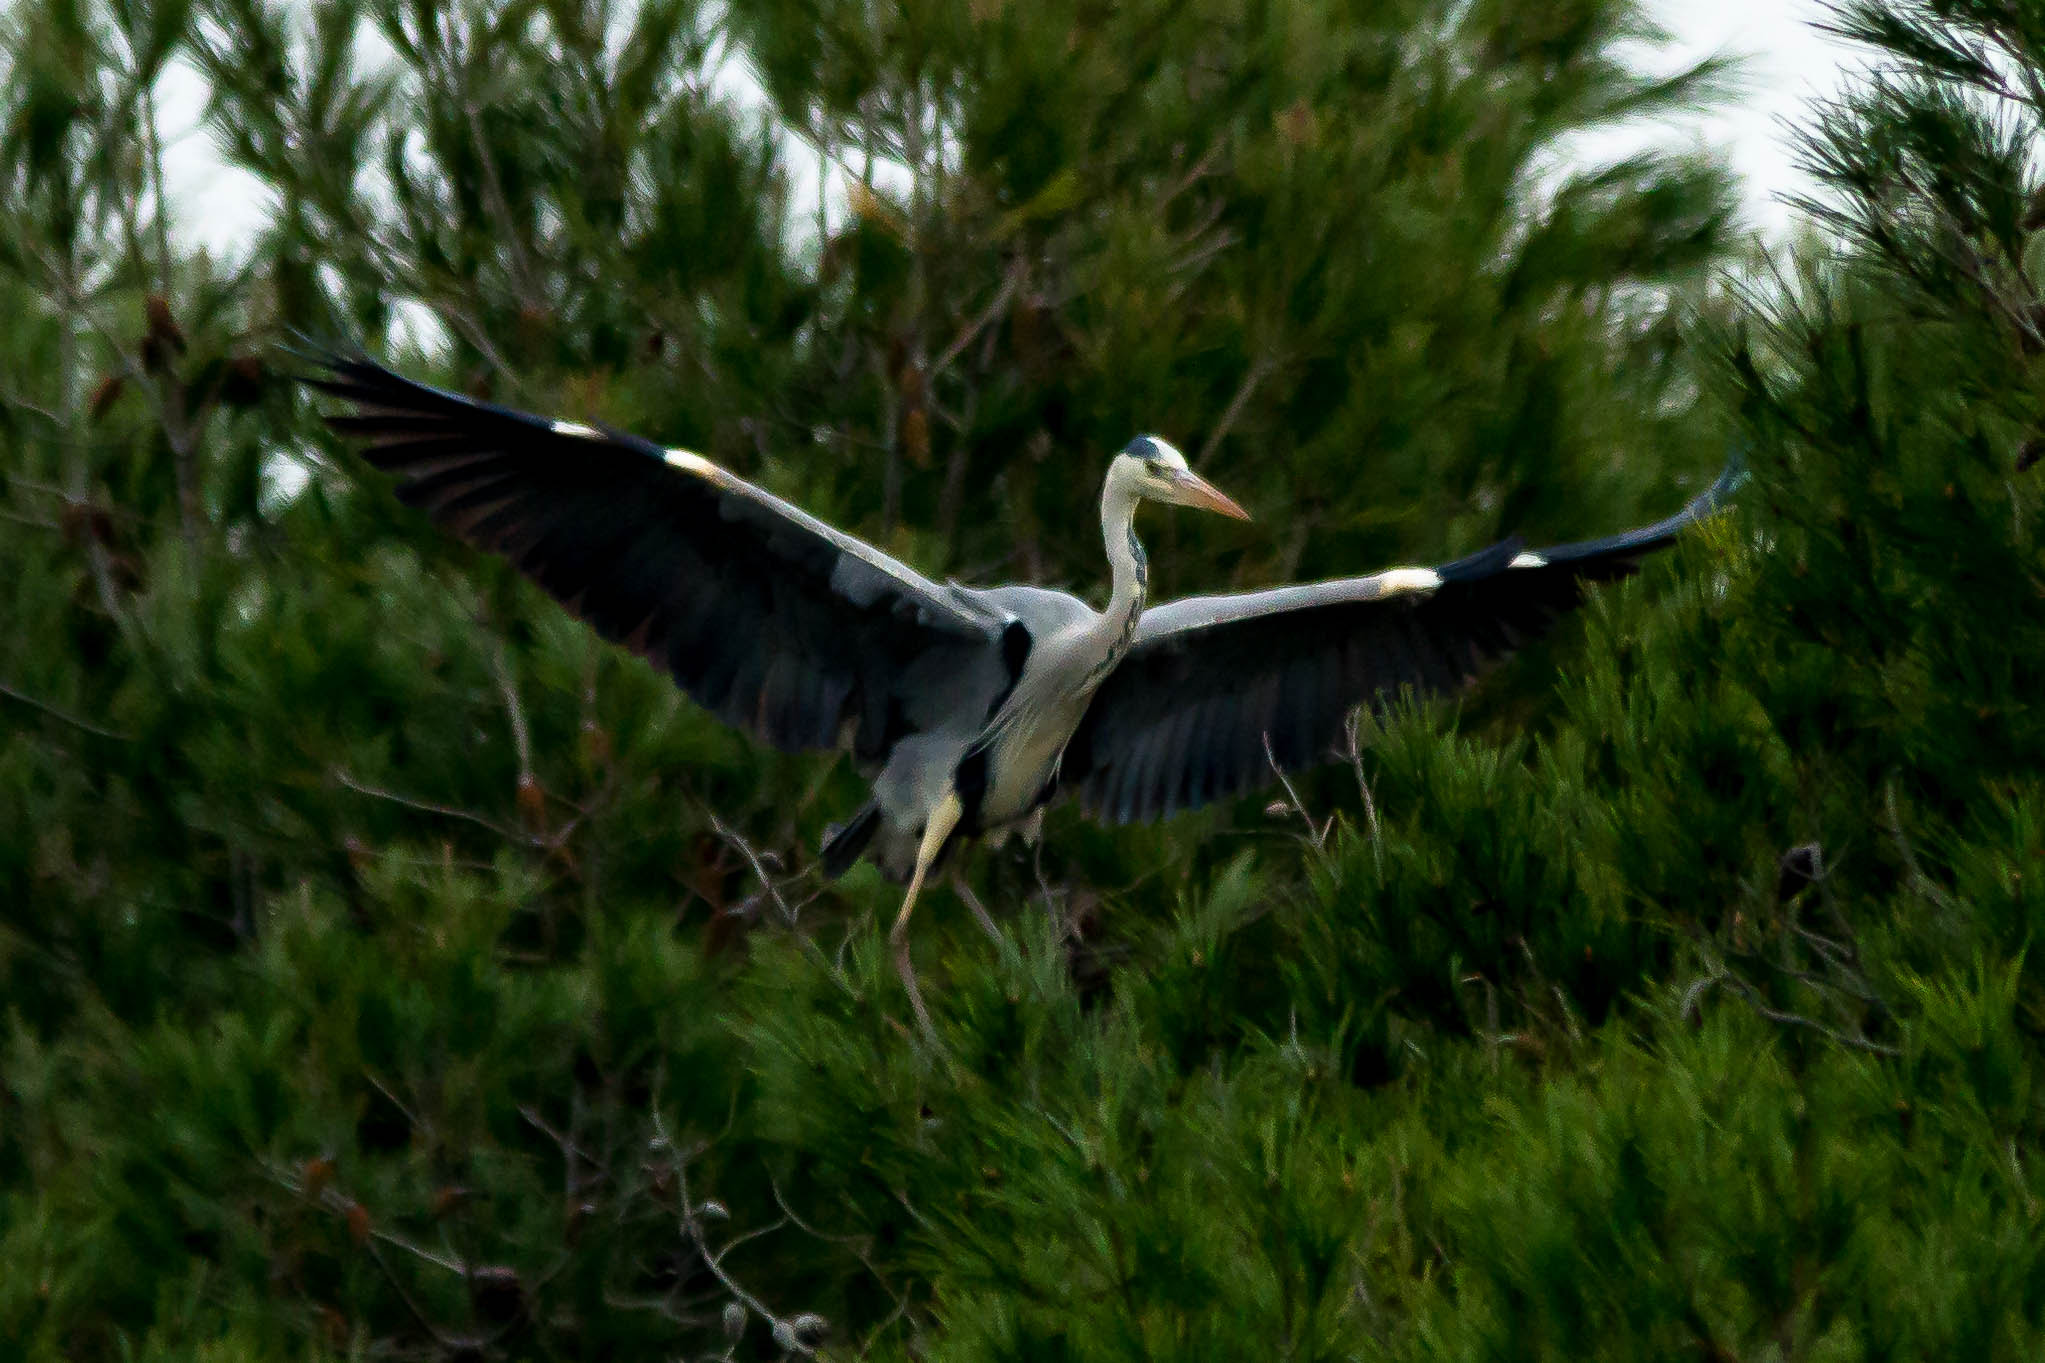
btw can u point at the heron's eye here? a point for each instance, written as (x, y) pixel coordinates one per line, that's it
(1155, 466)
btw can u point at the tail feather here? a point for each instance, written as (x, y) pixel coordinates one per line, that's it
(844, 842)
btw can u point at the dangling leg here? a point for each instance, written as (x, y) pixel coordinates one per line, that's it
(980, 914)
(943, 820)
(1050, 898)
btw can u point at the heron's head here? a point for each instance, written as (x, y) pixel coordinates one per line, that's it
(1150, 469)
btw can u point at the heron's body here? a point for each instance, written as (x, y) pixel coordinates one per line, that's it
(1005, 768)
(972, 706)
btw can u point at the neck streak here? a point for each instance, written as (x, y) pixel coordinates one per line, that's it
(1131, 577)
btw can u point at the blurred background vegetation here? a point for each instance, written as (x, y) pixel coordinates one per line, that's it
(390, 970)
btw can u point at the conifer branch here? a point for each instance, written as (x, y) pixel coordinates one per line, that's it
(172, 423)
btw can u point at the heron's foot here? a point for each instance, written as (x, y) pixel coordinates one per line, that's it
(904, 967)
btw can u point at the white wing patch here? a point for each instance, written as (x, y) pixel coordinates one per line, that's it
(1527, 561)
(688, 461)
(1398, 580)
(577, 429)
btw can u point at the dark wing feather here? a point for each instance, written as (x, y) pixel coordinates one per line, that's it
(1210, 681)
(774, 621)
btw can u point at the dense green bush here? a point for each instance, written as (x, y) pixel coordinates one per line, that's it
(389, 969)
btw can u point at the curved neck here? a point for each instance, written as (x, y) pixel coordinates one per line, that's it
(1125, 557)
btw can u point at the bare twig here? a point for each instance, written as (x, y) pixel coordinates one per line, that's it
(891, 465)
(338, 1202)
(51, 489)
(1051, 910)
(86, 725)
(1919, 881)
(411, 1118)
(1561, 999)
(521, 740)
(1352, 730)
(570, 1151)
(1844, 981)
(167, 396)
(1837, 952)
(1199, 252)
(736, 840)
(1259, 369)
(787, 1333)
(426, 1322)
(1018, 269)
(14, 401)
(32, 522)
(1720, 975)
(1193, 176)
(441, 297)
(1318, 833)
(1753, 999)
(341, 775)
(77, 471)
(1693, 995)
(174, 429)
(856, 1243)
(474, 55)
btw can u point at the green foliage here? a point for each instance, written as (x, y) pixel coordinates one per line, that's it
(387, 967)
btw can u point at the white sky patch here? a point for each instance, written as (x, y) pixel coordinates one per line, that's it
(219, 208)
(284, 474)
(1784, 63)
(817, 204)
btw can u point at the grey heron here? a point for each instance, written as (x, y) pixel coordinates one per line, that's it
(973, 707)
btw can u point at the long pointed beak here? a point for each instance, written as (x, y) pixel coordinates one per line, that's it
(1197, 491)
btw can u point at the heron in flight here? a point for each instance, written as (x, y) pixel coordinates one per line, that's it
(972, 706)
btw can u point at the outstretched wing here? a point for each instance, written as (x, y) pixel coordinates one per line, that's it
(1185, 718)
(774, 621)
